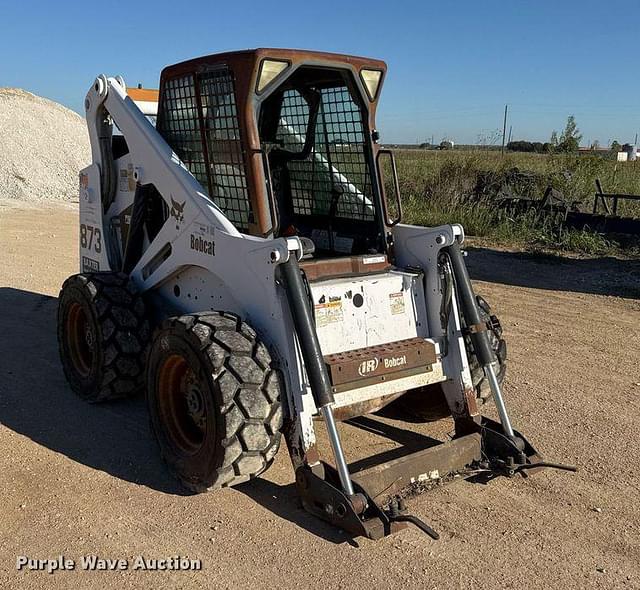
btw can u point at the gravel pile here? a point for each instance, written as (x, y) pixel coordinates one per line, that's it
(43, 146)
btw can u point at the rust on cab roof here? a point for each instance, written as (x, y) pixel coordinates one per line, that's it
(252, 57)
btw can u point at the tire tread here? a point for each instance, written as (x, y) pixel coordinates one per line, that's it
(250, 389)
(124, 331)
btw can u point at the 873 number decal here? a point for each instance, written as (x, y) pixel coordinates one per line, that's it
(90, 238)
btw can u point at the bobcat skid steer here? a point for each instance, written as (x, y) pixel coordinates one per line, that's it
(242, 263)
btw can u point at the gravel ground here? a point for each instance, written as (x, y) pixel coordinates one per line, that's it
(80, 479)
(43, 146)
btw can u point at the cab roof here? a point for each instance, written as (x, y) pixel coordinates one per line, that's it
(250, 58)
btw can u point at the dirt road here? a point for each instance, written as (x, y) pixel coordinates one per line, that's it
(79, 480)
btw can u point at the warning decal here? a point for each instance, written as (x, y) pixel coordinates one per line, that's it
(328, 313)
(124, 180)
(396, 303)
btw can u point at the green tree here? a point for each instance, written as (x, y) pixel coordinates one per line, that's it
(571, 136)
(615, 146)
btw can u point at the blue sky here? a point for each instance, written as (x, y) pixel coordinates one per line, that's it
(452, 65)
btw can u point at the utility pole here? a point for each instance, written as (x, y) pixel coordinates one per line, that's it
(510, 130)
(635, 141)
(504, 127)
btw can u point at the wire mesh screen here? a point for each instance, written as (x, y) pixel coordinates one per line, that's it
(183, 126)
(179, 125)
(222, 134)
(335, 177)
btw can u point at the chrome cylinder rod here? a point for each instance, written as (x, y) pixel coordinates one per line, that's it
(338, 453)
(490, 372)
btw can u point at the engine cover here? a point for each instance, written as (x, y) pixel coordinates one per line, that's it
(368, 310)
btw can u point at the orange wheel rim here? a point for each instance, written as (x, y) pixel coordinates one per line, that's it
(81, 339)
(181, 404)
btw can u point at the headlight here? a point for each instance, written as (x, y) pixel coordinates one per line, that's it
(371, 80)
(270, 69)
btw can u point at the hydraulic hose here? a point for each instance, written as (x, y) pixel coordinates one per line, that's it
(478, 331)
(469, 307)
(306, 330)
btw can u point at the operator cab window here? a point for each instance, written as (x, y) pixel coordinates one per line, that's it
(197, 117)
(314, 129)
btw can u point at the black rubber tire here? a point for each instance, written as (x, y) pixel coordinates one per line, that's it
(116, 333)
(239, 434)
(429, 404)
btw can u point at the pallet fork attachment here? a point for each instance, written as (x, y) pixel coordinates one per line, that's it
(479, 457)
(487, 450)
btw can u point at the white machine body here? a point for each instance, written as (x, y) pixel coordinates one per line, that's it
(186, 263)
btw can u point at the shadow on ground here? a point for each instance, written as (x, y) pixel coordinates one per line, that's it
(284, 502)
(596, 276)
(36, 401)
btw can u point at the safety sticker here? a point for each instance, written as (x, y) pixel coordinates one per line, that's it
(124, 180)
(85, 192)
(396, 303)
(328, 313)
(132, 178)
(89, 264)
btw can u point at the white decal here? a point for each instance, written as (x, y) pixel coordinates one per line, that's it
(328, 313)
(396, 303)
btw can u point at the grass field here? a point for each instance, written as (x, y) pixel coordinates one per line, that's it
(438, 187)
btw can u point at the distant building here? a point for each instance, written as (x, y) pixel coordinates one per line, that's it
(631, 151)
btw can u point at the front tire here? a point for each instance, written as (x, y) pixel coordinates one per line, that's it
(214, 400)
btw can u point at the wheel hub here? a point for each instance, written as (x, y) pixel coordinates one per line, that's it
(195, 401)
(181, 404)
(88, 338)
(80, 339)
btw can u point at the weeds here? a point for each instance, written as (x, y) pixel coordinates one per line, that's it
(440, 187)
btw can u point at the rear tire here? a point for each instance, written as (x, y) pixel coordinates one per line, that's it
(103, 332)
(214, 400)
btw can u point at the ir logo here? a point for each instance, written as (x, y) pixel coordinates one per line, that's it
(367, 367)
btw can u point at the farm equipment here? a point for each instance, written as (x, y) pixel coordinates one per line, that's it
(609, 222)
(242, 263)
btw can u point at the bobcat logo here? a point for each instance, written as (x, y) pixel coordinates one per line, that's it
(177, 211)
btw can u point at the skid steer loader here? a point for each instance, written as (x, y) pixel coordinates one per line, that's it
(242, 262)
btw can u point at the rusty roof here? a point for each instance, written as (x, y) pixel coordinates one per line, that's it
(296, 56)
